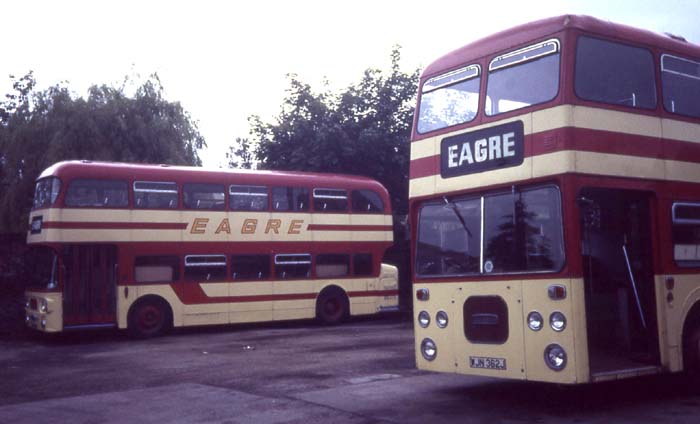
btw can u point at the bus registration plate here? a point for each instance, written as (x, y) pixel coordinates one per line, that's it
(487, 363)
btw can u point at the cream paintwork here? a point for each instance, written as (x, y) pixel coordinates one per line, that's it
(581, 117)
(686, 294)
(558, 163)
(214, 219)
(524, 349)
(53, 314)
(239, 312)
(570, 161)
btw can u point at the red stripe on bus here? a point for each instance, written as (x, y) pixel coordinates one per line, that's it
(339, 227)
(586, 140)
(193, 294)
(115, 225)
(425, 167)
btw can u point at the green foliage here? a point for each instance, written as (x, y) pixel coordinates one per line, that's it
(241, 155)
(40, 128)
(363, 130)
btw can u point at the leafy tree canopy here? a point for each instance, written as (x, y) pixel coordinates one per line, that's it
(40, 128)
(363, 130)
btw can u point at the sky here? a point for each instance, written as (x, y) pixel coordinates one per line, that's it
(227, 60)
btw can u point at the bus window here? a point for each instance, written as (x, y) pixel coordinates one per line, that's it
(330, 200)
(449, 99)
(449, 238)
(46, 192)
(248, 198)
(332, 265)
(523, 231)
(205, 267)
(614, 73)
(686, 234)
(362, 264)
(204, 196)
(290, 199)
(155, 195)
(43, 262)
(250, 267)
(97, 193)
(293, 266)
(522, 78)
(680, 80)
(149, 269)
(366, 201)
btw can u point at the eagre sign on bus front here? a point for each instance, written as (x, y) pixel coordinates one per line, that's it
(482, 150)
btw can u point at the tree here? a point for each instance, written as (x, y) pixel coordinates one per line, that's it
(39, 128)
(363, 130)
(241, 154)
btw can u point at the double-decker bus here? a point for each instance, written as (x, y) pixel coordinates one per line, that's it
(555, 204)
(147, 247)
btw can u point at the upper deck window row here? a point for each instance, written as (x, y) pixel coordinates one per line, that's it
(605, 72)
(516, 79)
(105, 193)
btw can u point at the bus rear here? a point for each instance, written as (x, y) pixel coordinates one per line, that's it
(544, 171)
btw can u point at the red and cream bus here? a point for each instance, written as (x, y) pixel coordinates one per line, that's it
(555, 204)
(147, 247)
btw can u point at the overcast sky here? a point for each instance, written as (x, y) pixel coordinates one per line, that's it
(225, 61)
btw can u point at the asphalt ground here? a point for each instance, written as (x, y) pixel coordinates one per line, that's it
(299, 372)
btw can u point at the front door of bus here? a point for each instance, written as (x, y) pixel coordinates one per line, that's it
(616, 229)
(89, 285)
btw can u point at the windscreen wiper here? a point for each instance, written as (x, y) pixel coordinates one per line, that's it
(453, 208)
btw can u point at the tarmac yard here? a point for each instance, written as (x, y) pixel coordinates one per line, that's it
(360, 372)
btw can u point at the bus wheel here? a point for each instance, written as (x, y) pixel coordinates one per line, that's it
(691, 351)
(332, 307)
(148, 318)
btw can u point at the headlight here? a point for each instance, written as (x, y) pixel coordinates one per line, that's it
(44, 305)
(423, 319)
(555, 357)
(428, 349)
(534, 321)
(557, 321)
(441, 319)
(27, 304)
(43, 323)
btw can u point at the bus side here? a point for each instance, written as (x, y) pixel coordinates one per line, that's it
(156, 251)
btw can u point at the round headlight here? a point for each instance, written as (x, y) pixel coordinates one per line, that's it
(44, 306)
(428, 349)
(441, 319)
(555, 357)
(43, 323)
(557, 321)
(27, 304)
(534, 321)
(423, 319)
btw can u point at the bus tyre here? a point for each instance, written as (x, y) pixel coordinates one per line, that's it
(691, 351)
(332, 307)
(148, 318)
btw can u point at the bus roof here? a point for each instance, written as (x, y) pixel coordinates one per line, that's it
(532, 31)
(133, 171)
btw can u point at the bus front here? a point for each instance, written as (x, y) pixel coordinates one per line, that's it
(44, 300)
(492, 294)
